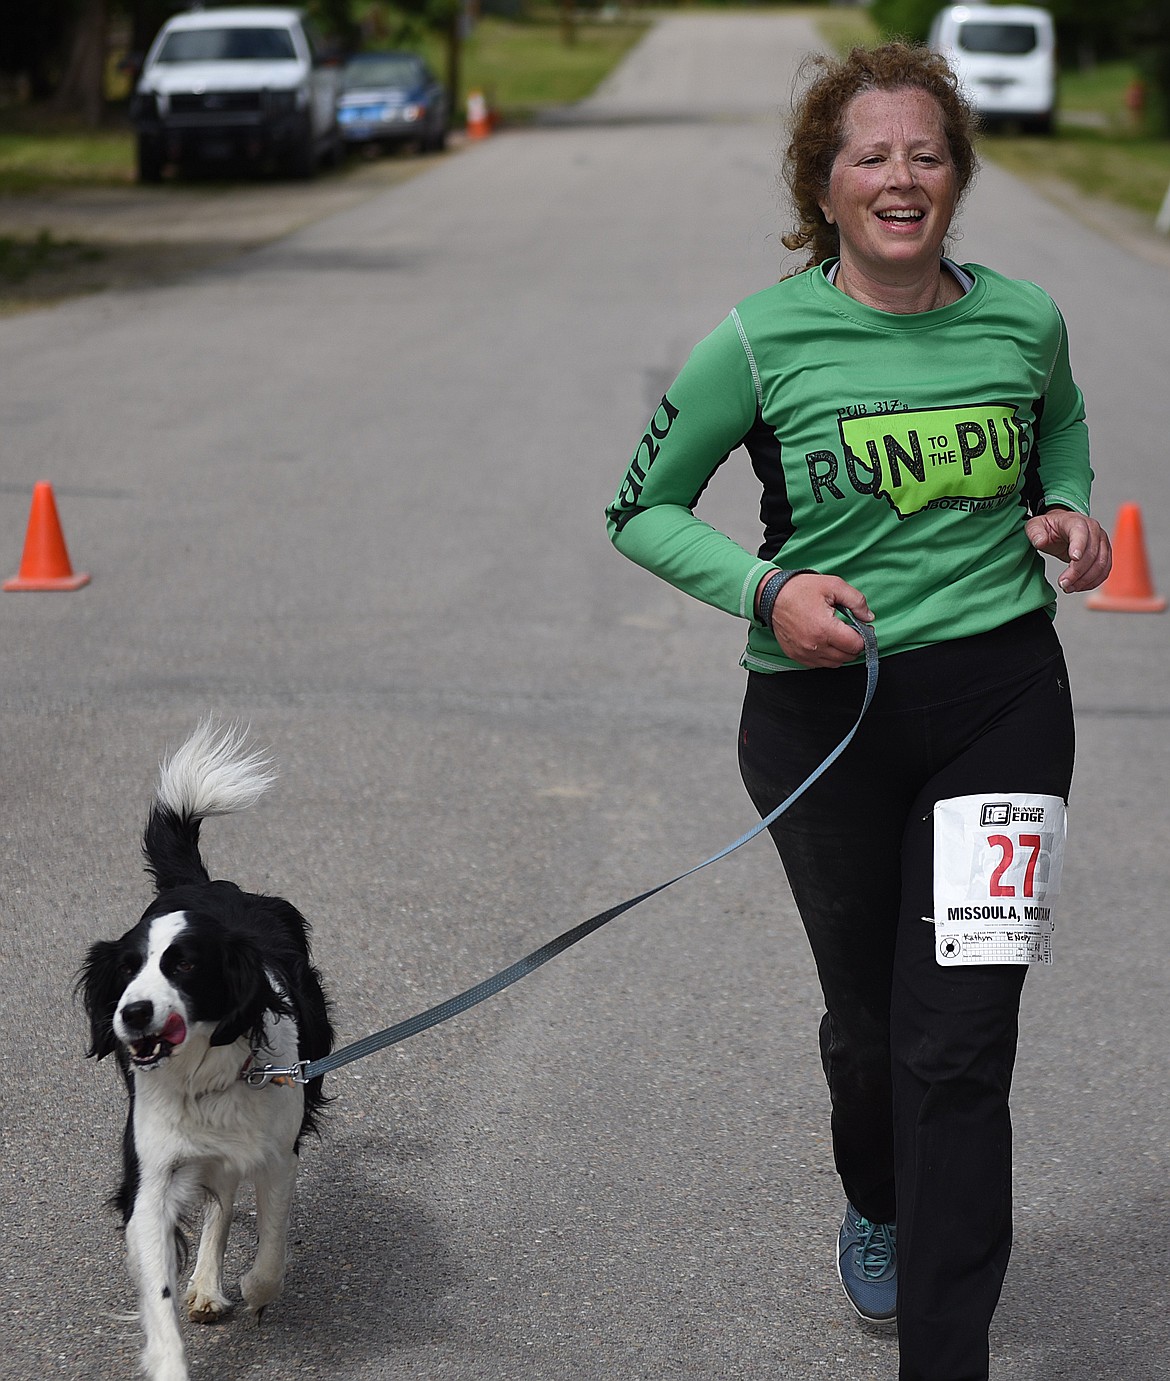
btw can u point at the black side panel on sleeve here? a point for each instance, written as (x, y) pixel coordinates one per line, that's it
(763, 446)
(1032, 491)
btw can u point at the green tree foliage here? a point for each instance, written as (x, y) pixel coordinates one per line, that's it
(909, 19)
(1149, 33)
(401, 24)
(35, 38)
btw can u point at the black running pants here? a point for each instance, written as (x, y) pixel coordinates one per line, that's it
(918, 1057)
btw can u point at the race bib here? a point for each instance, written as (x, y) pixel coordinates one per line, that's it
(997, 862)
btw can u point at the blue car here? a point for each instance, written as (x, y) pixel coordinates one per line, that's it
(388, 99)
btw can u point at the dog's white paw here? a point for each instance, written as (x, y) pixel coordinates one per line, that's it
(260, 1290)
(164, 1363)
(203, 1307)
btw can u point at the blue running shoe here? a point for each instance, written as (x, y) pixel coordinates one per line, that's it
(867, 1262)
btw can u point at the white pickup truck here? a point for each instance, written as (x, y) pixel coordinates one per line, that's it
(236, 86)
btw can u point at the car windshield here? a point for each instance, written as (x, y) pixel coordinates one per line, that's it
(227, 45)
(388, 71)
(998, 38)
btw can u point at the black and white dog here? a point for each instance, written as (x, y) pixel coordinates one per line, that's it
(211, 983)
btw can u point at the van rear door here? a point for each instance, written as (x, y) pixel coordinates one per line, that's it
(1005, 57)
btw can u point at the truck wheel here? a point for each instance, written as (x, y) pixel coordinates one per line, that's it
(302, 162)
(336, 155)
(150, 160)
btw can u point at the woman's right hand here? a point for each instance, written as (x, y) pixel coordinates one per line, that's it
(806, 626)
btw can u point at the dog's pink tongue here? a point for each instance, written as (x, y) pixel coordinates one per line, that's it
(175, 1030)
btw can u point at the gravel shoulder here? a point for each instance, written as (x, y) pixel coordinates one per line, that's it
(128, 237)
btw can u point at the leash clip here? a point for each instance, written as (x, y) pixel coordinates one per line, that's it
(258, 1077)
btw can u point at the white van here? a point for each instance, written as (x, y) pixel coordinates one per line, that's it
(1005, 58)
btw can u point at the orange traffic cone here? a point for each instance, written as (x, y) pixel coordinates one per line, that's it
(1129, 589)
(478, 123)
(45, 563)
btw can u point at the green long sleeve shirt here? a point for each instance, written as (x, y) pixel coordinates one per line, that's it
(900, 452)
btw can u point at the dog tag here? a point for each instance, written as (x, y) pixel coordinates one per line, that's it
(997, 864)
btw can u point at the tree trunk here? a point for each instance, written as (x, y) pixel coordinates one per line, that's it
(82, 88)
(454, 59)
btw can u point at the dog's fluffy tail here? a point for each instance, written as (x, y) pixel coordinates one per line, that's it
(213, 773)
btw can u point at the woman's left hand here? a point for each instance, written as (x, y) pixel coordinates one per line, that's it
(1077, 539)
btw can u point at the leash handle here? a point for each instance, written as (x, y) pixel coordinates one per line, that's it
(305, 1071)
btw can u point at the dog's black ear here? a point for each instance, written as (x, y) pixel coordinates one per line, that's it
(246, 993)
(100, 985)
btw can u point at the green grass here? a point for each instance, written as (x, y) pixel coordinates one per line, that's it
(36, 155)
(845, 26)
(522, 66)
(1100, 91)
(1132, 172)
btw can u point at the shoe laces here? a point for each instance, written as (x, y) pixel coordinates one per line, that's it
(876, 1249)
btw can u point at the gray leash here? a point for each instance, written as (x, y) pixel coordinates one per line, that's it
(306, 1070)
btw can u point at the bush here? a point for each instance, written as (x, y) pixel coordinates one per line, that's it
(908, 19)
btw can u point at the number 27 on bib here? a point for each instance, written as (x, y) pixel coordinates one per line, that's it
(997, 864)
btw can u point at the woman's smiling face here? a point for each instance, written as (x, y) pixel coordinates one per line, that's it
(893, 190)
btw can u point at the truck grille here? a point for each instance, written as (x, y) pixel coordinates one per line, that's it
(214, 102)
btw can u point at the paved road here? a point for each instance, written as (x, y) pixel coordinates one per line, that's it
(349, 487)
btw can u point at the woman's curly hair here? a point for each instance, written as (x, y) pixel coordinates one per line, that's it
(818, 127)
